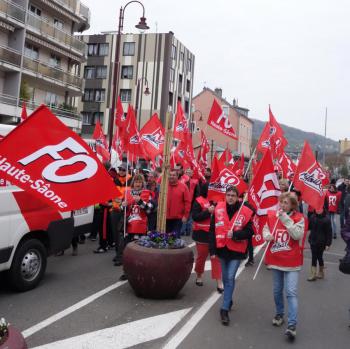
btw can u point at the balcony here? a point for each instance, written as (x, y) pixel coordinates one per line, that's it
(70, 4)
(10, 56)
(52, 73)
(12, 10)
(56, 35)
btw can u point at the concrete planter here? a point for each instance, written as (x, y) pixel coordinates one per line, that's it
(157, 273)
(14, 340)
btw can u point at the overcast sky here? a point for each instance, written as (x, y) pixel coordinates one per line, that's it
(294, 55)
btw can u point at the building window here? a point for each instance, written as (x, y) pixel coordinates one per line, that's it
(98, 116)
(88, 95)
(171, 99)
(92, 49)
(189, 64)
(58, 24)
(103, 50)
(87, 118)
(100, 95)
(182, 55)
(34, 10)
(173, 51)
(101, 72)
(31, 51)
(172, 74)
(51, 99)
(188, 85)
(129, 49)
(125, 95)
(180, 81)
(55, 61)
(187, 107)
(225, 110)
(127, 71)
(89, 72)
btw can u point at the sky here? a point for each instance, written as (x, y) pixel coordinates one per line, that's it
(293, 55)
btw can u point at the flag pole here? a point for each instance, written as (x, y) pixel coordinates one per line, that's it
(250, 162)
(126, 197)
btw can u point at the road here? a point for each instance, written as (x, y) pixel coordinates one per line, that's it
(81, 296)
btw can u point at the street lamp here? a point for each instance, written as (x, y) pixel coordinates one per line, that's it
(142, 25)
(146, 93)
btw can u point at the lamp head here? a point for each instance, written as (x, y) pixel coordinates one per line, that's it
(142, 24)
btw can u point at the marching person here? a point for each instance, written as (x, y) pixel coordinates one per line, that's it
(320, 239)
(333, 198)
(201, 213)
(284, 256)
(230, 229)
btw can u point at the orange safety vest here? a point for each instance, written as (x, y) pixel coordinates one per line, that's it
(203, 225)
(284, 251)
(223, 225)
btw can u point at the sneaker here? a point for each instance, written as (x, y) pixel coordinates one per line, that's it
(291, 332)
(100, 250)
(118, 263)
(225, 319)
(249, 263)
(334, 236)
(278, 320)
(123, 277)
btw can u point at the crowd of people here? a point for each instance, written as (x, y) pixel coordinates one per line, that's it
(223, 230)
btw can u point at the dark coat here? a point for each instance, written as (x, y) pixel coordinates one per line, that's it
(320, 230)
(198, 215)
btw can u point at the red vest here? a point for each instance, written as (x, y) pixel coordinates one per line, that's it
(136, 217)
(223, 224)
(333, 200)
(284, 251)
(204, 224)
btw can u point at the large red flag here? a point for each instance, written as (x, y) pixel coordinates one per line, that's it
(152, 135)
(57, 166)
(277, 136)
(24, 114)
(220, 122)
(203, 152)
(119, 114)
(180, 125)
(101, 142)
(308, 178)
(287, 165)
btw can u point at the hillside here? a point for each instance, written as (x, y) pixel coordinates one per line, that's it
(296, 139)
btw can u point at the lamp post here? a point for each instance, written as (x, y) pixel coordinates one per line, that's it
(141, 25)
(146, 92)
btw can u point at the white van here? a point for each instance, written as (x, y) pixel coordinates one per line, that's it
(30, 231)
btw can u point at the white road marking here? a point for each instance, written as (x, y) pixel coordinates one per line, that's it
(122, 336)
(187, 328)
(334, 254)
(30, 331)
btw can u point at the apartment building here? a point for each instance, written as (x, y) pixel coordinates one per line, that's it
(40, 57)
(238, 116)
(156, 71)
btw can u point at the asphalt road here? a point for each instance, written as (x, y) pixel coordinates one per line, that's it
(116, 318)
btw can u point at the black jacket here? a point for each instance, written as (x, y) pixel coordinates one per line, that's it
(320, 230)
(198, 215)
(244, 234)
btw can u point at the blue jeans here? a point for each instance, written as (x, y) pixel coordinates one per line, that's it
(333, 217)
(186, 228)
(289, 281)
(229, 269)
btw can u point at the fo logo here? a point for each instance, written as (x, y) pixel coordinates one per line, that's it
(281, 242)
(313, 177)
(227, 177)
(240, 220)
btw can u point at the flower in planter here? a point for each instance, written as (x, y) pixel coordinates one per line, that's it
(3, 329)
(155, 239)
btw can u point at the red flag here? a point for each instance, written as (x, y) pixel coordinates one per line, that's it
(264, 142)
(277, 136)
(101, 142)
(308, 178)
(220, 122)
(24, 112)
(203, 152)
(117, 144)
(258, 225)
(119, 114)
(57, 166)
(152, 135)
(287, 165)
(133, 141)
(180, 125)
(225, 158)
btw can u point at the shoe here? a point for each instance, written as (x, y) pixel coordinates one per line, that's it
(320, 274)
(199, 283)
(291, 332)
(225, 319)
(278, 320)
(231, 305)
(100, 250)
(81, 242)
(312, 276)
(118, 263)
(114, 259)
(249, 263)
(123, 277)
(75, 252)
(334, 236)
(220, 290)
(59, 254)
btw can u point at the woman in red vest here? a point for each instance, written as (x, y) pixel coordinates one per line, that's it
(230, 229)
(284, 231)
(333, 198)
(201, 212)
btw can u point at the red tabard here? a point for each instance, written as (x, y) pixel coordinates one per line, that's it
(333, 200)
(137, 218)
(223, 224)
(204, 224)
(284, 251)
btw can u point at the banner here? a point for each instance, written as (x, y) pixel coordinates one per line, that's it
(46, 158)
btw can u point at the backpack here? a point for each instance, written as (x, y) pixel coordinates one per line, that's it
(344, 263)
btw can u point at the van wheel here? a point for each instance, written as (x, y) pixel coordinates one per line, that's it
(28, 265)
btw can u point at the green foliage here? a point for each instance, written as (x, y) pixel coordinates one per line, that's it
(344, 171)
(24, 93)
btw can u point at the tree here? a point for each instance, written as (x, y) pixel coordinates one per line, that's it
(24, 93)
(344, 171)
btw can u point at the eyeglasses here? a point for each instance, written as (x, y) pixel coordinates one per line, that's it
(122, 169)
